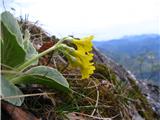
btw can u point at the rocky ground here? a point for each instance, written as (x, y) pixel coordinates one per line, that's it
(150, 91)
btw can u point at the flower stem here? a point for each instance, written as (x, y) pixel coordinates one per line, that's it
(29, 62)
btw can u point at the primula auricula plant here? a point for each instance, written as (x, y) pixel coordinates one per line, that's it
(18, 53)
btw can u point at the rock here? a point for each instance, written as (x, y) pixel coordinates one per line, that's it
(152, 93)
(12, 112)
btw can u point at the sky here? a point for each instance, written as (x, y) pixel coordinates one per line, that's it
(105, 19)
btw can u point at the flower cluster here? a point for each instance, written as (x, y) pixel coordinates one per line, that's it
(81, 56)
(84, 56)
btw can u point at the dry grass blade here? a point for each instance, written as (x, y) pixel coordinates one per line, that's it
(26, 95)
(94, 117)
(96, 100)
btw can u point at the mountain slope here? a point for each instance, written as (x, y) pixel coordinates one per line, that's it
(139, 54)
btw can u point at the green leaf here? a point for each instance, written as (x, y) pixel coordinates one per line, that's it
(12, 25)
(8, 89)
(46, 76)
(12, 54)
(28, 47)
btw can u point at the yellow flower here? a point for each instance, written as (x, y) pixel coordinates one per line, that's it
(83, 56)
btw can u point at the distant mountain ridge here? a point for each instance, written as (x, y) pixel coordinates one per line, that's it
(140, 54)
